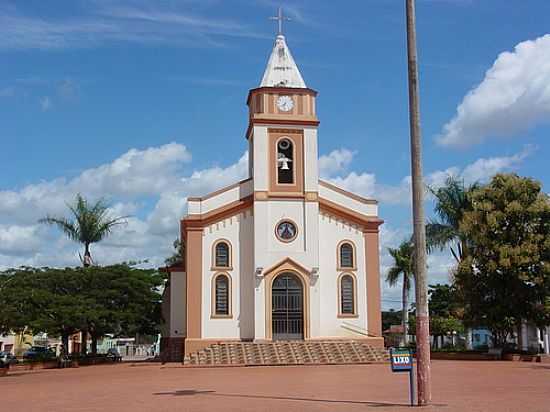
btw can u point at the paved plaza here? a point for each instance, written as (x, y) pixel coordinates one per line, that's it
(457, 386)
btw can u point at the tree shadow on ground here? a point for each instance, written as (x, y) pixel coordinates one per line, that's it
(193, 392)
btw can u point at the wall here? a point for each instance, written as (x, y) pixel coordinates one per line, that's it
(269, 250)
(333, 230)
(178, 304)
(238, 231)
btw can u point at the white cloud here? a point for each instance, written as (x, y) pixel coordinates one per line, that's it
(45, 103)
(117, 22)
(137, 173)
(19, 239)
(513, 97)
(207, 180)
(481, 170)
(7, 91)
(336, 161)
(439, 266)
(146, 184)
(149, 185)
(68, 89)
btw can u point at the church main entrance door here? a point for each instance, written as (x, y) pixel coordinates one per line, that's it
(287, 307)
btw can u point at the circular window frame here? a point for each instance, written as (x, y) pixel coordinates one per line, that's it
(279, 223)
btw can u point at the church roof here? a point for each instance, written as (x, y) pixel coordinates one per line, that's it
(281, 70)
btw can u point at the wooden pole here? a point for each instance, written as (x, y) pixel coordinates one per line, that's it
(422, 315)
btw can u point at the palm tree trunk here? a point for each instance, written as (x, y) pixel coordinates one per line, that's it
(84, 342)
(405, 311)
(65, 343)
(87, 260)
(94, 344)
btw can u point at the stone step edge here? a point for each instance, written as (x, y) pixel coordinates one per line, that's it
(259, 365)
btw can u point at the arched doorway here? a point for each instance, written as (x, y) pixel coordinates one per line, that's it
(287, 302)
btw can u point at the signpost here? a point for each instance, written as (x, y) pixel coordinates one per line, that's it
(402, 361)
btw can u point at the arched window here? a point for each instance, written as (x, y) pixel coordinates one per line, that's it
(222, 295)
(347, 295)
(222, 255)
(347, 258)
(285, 161)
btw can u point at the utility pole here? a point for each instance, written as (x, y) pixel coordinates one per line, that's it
(424, 394)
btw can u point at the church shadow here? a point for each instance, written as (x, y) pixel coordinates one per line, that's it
(372, 404)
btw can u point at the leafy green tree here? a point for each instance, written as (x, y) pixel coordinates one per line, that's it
(15, 312)
(124, 301)
(444, 301)
(178, 257)
(506, 276)
(119, 300)
(91, 223)
(47, 300)
(403, 267)
(445, 311)
(441, 326)
(451, 202)
(390, 317)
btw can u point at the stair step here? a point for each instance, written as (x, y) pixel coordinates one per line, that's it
(288, 353)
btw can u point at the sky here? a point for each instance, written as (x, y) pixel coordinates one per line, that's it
(143, 103)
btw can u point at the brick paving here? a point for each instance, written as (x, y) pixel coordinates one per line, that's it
(458, 386)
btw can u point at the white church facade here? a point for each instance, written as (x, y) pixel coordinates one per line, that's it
(282, 254)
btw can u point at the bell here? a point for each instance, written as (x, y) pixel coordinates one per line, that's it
(284, 165)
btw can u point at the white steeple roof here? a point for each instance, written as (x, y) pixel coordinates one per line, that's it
(281, 70)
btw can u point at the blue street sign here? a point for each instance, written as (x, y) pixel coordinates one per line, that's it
(401, 359)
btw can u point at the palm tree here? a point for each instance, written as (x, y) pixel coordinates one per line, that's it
(403, 265)
(91, 224)
(451, 202)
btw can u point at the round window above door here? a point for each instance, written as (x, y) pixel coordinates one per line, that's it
(286, 231)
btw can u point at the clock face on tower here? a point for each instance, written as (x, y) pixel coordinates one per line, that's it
(285, 103)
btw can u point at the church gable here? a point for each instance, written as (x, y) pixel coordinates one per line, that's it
(216, 206)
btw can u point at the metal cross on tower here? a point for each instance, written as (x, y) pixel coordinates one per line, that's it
(280, 18)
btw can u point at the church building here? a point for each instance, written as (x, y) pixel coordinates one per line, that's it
(281, 255)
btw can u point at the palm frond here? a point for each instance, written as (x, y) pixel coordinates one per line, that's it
(438, 235)
(91, 223)
(104, 228)
(64, 225)
(403, 257)
(393, 276)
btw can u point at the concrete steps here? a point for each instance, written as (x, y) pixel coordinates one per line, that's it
(321, 352)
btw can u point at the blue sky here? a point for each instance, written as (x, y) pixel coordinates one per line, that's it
(144, 102)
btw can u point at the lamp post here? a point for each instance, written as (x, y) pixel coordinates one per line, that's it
(422, 316)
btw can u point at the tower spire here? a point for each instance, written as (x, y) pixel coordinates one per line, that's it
(280, 18)
(281, 70)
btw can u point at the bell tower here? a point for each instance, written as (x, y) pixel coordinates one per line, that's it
(282, 129)
(283, 163)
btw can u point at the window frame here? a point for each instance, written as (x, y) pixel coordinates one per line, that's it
(214, 295)
(293, 163)
(339, 256)
(214, 265)
(354, 295)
